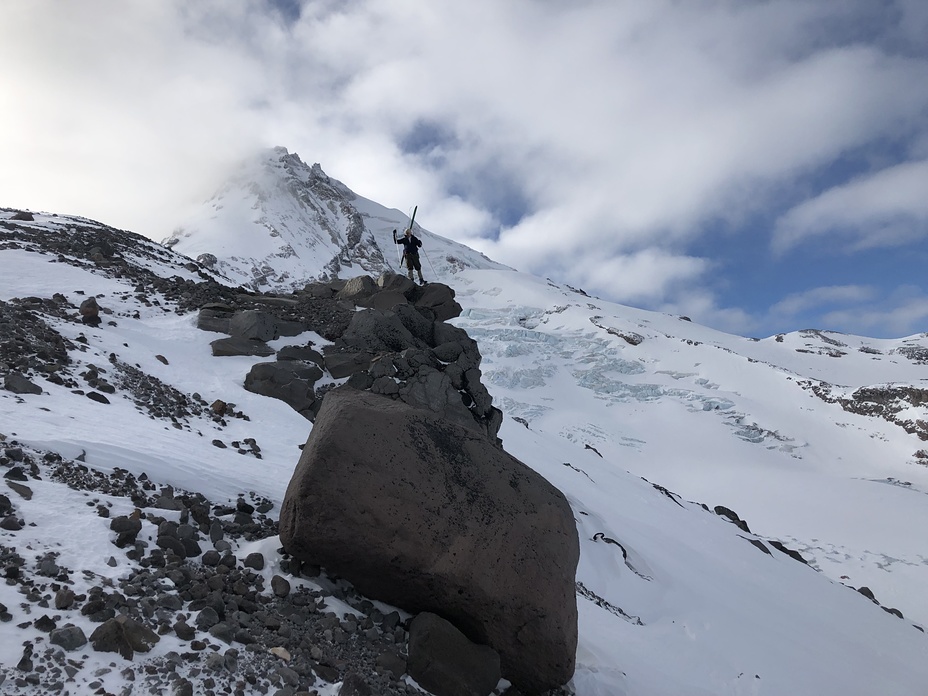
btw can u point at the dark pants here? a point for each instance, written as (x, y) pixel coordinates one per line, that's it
(412, 262)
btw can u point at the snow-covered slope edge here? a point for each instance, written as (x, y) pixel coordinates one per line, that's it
(278, 223)
(815, 439)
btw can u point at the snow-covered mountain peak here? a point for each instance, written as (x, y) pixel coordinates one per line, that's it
(277, 223)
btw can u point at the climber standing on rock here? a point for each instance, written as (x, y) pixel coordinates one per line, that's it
(411, 244)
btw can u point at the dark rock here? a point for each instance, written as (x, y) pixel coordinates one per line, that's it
(225, 347)
(373, 331)
(11, 523)
(254, 561)
(394, 282)
(174, 545)
(123, 635)
(385, 300)
(126, 528)
(344, 364)
(792, 553)
(183, 630)
(214, 319)
(44, 623)
(723, 511)
(90, 311)
(304, 353)
(64, 598)
(68, 637)
(280, 586)
(16, 473)
(18, 384)
(396, 665)
(24, 492)
(438, 298)
(207, 618)
(444, 661)
(254, 325)
(433, 391)
(354, 685)
(416, 481)
(290, 381)
(358, 288)
(416, 324)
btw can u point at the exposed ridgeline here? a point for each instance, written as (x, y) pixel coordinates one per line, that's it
(397, 391)
(278, 223)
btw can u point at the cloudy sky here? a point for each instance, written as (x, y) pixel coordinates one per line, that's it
(758, 166)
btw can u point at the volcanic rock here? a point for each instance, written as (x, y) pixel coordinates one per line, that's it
(432, 516)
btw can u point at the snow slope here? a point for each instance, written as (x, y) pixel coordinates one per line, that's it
(278, 223)
(673, 598)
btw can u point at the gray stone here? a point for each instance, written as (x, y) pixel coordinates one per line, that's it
(304, 353)
(224, 347)
(254, 325)
(438, 298)
(377, 331)
(280, 586)
(345, 364)
(443, 661)
(385, 385)
(394, 282)
(123, 635)
(288, 380)
(18, 384)
(358, 288)
(384, 300)
(68, 637)
(214, 319)
(286, 327)
(254, 561)
(417, 325)
(90, 311)
(354, 685)
(432, 390)
(439, 520)
(207, 618)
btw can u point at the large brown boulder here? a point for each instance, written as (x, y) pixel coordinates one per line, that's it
(431, 516)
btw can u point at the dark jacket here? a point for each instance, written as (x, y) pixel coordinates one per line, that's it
(410, 244)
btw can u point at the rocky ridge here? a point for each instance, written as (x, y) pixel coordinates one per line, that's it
(239, 629)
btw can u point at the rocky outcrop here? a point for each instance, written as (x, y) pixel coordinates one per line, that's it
(430, 516)
(398, 346)
(896, 403)
(409, 353)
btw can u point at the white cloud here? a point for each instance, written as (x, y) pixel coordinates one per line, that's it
(800, 302)
(887, 208)
(901, 316)
(856, 309)
(594, 138)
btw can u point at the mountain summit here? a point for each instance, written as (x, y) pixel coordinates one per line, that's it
(278, 223)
